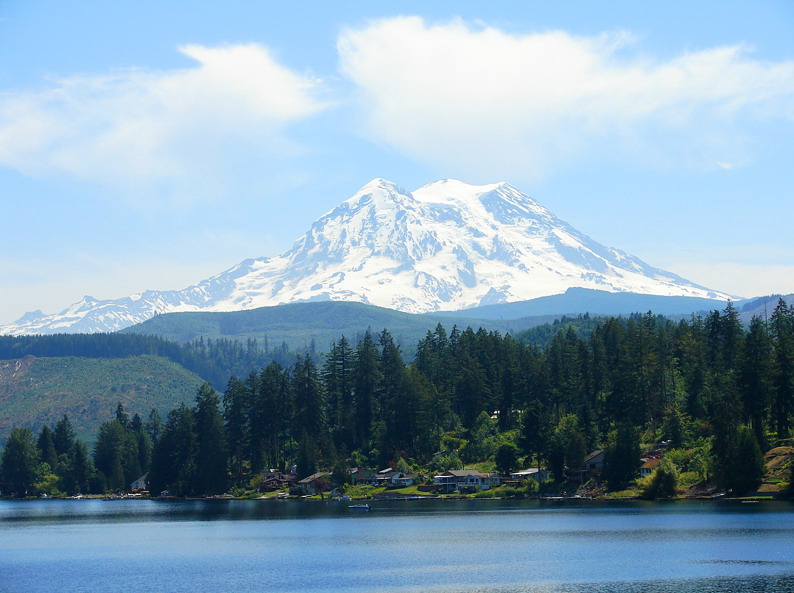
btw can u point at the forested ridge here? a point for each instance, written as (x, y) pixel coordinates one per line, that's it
(717, 392)
(212, 360)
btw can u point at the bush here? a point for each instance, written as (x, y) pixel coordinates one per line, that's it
(662, 483)
(681, 458)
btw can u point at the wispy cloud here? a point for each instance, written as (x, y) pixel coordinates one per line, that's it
(481, 101)
(133, 128)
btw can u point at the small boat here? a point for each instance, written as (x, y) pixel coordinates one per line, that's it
(359, 507)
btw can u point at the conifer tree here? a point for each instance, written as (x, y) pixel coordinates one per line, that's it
(621, 456)
(756, 377)
(63, 436)
(234, 413)
(782, 326)
(46, 446)
(210, 474)
(153, 425)
(310, 405)
(19, 467)
(366, 378)
(337, 375)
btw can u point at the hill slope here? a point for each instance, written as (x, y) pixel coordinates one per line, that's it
(35, 391)
(298, 324)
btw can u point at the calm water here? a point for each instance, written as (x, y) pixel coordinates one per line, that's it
(468, 546)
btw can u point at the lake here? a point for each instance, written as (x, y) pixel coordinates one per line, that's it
(414, 546)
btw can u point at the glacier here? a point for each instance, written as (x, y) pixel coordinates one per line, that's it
(446, 246)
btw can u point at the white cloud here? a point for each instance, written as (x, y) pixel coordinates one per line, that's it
(482, 101)
(140, 127)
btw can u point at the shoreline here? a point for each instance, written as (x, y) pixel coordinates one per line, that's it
(402, 498)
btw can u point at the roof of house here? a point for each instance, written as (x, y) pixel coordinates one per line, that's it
(313, 477)
(594, 454)
(650, 464)
(462, 473)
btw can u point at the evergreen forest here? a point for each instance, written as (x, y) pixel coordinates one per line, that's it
(716, 392)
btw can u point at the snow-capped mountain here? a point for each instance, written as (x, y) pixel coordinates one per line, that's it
(445, 246)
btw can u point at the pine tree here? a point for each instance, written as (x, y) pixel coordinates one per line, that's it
(748, 464)
(122, 417)
(621, 457)
(276, 405)
(210, 475)
(395, 401)
(153, 425)
(337, 375)
(173, 456)
(366, 378)
(108, 453)
(235, 401)
(782, 326)
(46, 447)
(310, 406)
(63, 437)
(756, 376)
(19, 467)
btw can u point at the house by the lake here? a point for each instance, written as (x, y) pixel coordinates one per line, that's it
(361, 475)
(537, 474)
(141, 483)
(405, 481)
(465, 480)
(647, 468)
(276, 480)
(318, 482)
(592, 466)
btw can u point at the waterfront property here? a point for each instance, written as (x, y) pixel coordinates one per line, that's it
(466, 480)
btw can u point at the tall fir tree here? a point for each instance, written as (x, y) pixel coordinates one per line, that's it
(210, 475)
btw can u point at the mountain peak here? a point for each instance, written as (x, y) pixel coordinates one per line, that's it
(445, 246)
(381, 184)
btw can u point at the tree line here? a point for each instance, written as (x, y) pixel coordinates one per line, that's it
(212, 360)
(710, 386)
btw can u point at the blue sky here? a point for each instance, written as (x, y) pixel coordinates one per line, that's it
(145, 146)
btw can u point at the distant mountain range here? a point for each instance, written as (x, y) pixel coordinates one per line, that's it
(446, 246)
(298, 324)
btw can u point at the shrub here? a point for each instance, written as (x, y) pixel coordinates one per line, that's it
(662, 483)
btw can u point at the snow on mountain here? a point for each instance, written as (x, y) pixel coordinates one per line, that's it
(446, 246)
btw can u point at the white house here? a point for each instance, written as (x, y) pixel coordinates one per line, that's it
(141, 483)
(466, 479)
(537, 474)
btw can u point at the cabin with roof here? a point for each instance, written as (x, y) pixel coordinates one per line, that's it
(647, 468)
(594, 462)
(318, 482)
(361, 475)
(276, 480)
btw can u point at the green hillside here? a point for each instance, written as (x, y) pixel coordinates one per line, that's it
(298, 324)
(35, 391)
